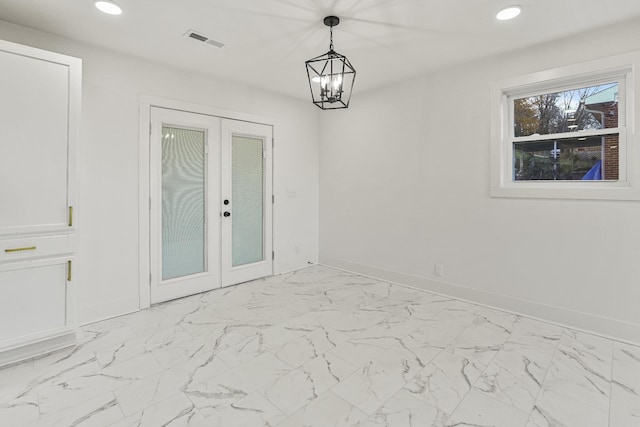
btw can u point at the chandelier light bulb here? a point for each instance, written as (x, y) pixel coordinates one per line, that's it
(337, 81)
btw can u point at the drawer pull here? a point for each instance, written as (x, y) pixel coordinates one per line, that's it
(28, 248)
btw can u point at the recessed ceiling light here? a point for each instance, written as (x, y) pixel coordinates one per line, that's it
(109, 7)
(508, 13)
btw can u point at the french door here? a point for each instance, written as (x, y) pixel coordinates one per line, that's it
(210, 207)
(247, 233)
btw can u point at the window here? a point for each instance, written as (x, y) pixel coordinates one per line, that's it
(564, 133)
(546, 145)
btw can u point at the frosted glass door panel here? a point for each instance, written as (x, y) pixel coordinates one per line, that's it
(34, 106)
(247, 175)
(183, 202)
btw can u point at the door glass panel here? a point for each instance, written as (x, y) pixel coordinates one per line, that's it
(247, 175)
(183, 202)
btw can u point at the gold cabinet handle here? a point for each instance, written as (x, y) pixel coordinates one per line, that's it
(28, 248)
(70, 216)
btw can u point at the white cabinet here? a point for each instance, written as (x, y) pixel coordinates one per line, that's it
(39, 114)
(33, 296)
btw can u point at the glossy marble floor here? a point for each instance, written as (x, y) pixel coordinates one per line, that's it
(320, 347)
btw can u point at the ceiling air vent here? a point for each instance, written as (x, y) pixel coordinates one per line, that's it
(202, 38)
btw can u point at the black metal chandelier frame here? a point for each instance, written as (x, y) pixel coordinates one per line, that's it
(333, 75)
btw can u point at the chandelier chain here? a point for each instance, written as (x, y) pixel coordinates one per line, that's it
(331, 37)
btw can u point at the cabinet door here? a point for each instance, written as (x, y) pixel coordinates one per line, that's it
(35, 123)
(32, 298)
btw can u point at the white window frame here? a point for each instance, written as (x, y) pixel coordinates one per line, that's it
(620, 69)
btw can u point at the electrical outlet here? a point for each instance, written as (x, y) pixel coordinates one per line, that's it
(438, 270)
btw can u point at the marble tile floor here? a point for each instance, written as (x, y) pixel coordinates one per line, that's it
(321, 347)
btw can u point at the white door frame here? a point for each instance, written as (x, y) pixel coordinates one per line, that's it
(146, 102)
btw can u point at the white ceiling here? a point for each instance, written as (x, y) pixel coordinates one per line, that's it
(269, 40)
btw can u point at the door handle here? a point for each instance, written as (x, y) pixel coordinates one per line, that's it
(227, 214)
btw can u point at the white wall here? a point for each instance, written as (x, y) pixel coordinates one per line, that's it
(404, 184)
(107, 268)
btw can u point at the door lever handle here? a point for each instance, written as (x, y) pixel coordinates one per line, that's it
(227, 214)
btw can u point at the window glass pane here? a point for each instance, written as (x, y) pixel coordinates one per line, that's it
(183, 202)
(247, 170)
(593, 107)
(568, 159)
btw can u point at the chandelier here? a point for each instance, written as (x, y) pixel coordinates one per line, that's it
(331, 75)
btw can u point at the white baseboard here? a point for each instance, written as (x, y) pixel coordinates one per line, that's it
(298, 268)
(604, 326)
(37, 347)
(98, 312)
